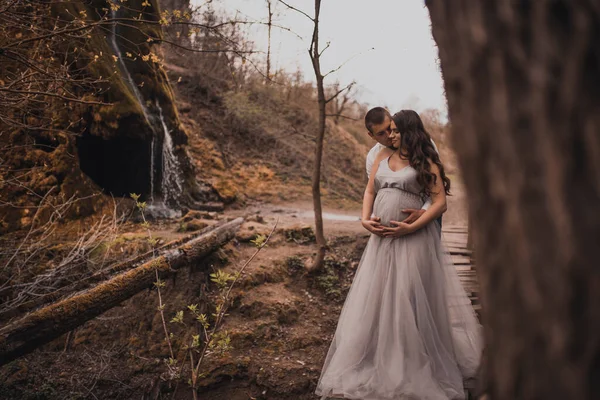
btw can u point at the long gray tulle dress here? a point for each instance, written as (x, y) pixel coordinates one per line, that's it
(407, 329)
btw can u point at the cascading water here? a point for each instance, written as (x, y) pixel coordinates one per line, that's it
(170, 185)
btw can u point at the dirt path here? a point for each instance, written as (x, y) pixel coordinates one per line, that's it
(345, 221)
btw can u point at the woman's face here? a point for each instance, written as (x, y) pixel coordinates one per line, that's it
(395, 136)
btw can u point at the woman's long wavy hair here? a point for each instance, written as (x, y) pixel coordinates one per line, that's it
(416, 147)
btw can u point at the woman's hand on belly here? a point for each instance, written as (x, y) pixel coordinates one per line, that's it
(373, 225)
(397, 229)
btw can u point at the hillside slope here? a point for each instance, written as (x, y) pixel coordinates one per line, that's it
(257, 143)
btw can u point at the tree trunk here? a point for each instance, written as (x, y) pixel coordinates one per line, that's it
(48, 323)
(316, 178)
(522, 81)
(270, 25)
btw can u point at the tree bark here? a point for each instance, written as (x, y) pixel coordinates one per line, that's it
(316, 178)
(269, 26)
(522, 81)
(48, 323)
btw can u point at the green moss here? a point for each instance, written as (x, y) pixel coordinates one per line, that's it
(294, 264)
(97, 59)
(328, 279)
(300, 235)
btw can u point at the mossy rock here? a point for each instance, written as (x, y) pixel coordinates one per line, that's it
(250, 231)
(194, 214)
(192, 225)
(227, 191)
(300, 234)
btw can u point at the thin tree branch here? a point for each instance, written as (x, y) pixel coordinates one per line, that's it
(297, 10)
(75, 100)
(8, 7)
(54, 33)
(342, 116)
(283, 28)
(344, 63)
(348, 87)
(326, 47)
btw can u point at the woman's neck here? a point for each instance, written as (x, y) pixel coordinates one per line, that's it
(398, 153)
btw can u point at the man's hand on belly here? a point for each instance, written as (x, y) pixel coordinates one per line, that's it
(413, 214)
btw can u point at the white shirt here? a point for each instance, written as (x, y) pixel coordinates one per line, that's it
(372, 155)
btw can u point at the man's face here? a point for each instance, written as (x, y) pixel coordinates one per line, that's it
(381, 132)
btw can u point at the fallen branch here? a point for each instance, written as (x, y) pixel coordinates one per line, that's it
(64, 290)
(48, 323)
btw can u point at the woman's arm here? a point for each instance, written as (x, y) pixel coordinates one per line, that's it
(438, 202)
(437, 208)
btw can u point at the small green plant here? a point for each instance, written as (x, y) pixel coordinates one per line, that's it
(294, 264)
(158, 284)
(328, 280)
(210, 339)
(259, 240)
(182, 227)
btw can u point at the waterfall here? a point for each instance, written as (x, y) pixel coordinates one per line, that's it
(152, 168)
(171, 185)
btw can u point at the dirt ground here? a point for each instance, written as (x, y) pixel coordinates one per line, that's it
(281, 321)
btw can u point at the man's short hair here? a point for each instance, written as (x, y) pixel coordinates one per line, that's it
(376, 116)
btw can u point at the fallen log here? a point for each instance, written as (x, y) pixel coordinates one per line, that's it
(64, 290)
(52, 321)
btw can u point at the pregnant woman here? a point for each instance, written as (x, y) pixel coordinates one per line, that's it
(407, 329)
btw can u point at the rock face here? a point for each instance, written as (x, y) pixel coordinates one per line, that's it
(134, 144)
(137, 143)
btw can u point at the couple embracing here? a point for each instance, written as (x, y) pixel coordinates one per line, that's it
(407, 329)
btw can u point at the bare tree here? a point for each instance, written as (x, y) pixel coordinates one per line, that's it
(269, 26)
(315, 54)
(522, 85)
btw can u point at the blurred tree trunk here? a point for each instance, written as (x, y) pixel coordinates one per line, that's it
(522, 80)
(470, 244)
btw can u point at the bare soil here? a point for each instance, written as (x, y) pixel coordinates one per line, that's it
(281, 321)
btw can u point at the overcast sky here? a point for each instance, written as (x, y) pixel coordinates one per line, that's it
(393, 57)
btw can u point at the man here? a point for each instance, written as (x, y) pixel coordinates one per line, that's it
(379, 124)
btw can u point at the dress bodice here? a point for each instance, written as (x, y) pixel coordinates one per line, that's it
(404, 179)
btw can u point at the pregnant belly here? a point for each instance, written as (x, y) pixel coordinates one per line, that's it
(389, 204)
